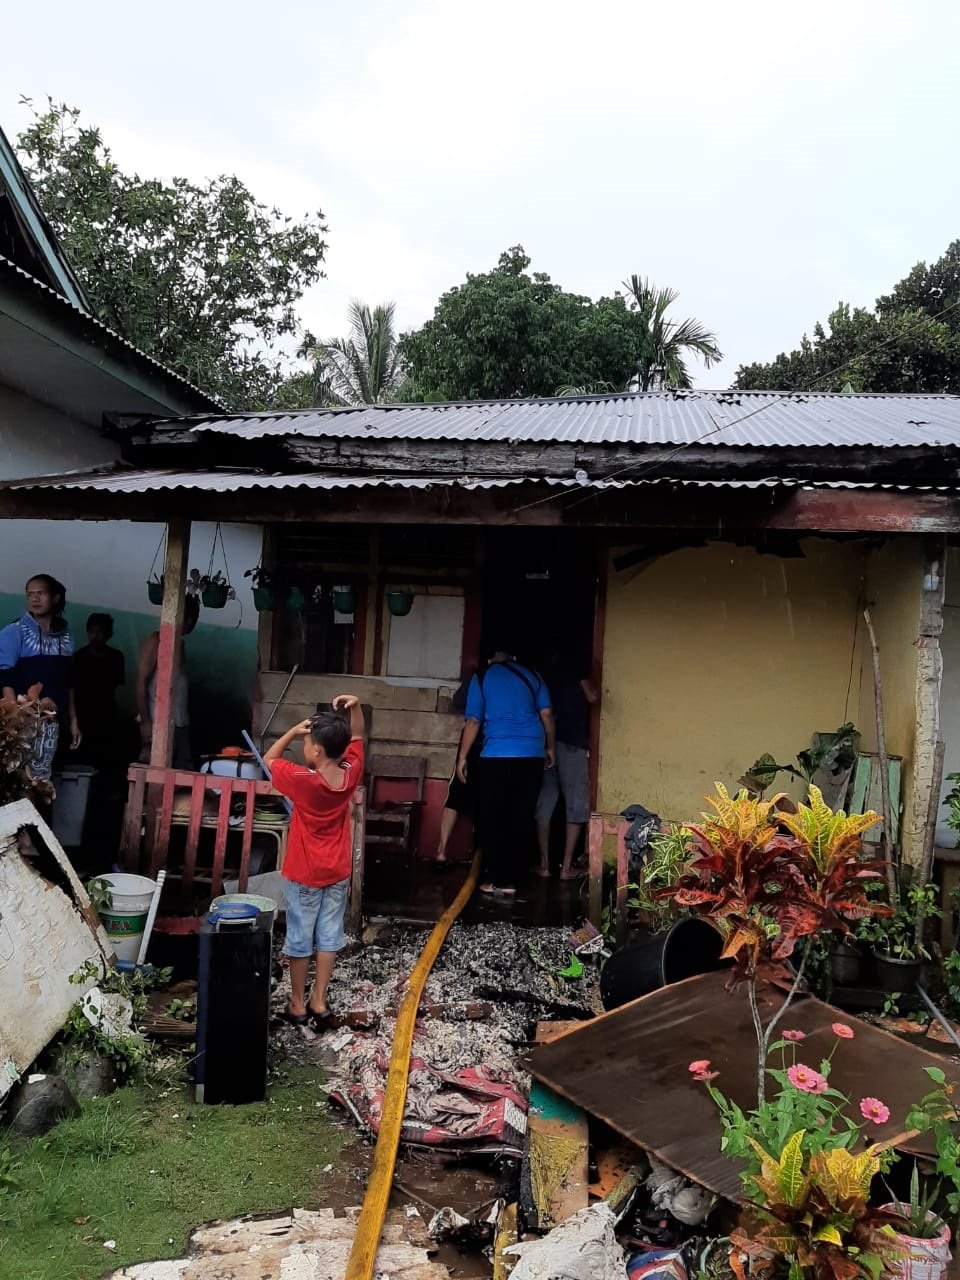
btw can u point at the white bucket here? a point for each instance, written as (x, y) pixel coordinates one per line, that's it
(124, 922)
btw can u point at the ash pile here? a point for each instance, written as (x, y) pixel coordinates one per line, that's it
(489, 987)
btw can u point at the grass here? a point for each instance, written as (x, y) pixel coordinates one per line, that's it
(143, 1169)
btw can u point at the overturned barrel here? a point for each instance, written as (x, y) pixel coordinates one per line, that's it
(688, 948)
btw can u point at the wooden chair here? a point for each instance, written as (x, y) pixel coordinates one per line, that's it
(392, 825)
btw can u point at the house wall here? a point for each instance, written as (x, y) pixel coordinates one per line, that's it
(105, 565)
(715, 655)
(950, 693)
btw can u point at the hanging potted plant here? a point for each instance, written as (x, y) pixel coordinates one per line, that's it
(264, 588)
(399, 602)
(343, 599)
(214, 589)
(154, 577)
(898, 955)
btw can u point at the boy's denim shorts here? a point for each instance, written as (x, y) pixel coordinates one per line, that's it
(314, 918)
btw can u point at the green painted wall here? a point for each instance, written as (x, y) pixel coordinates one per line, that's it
(221, 666)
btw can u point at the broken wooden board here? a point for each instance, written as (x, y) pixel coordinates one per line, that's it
(301, 1245)
(557, 1149)
(48, 930)
(629, 1068)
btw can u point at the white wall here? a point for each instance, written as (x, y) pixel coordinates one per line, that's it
(37, 440)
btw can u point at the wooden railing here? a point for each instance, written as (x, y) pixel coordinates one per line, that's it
(150, 818)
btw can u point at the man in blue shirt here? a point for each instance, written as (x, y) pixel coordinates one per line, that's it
(510, 706)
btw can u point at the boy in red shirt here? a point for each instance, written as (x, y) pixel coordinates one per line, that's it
(317, 862)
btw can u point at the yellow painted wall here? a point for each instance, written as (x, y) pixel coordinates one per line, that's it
(715, 655)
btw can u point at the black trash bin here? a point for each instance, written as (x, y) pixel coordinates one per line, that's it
(689, 948)
(233, 1005)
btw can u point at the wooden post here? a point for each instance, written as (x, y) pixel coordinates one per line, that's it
(358, 836)
(929, 675)
(595, 862)
(171, 638)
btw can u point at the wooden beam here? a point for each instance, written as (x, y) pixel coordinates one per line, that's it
(171, 640)
(928, 679)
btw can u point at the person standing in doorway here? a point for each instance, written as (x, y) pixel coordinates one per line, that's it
(459, 802)
(510, 706)
(147, 693)
(98, 672)
(37, 649)
(572, 699)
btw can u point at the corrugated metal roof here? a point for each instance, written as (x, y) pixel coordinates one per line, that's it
(764, 419)
(224, 481)
(90, 321)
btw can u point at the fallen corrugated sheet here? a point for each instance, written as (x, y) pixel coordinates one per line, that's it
(48, 930)
(300, 1245)
(629, 1068)
(749, 418)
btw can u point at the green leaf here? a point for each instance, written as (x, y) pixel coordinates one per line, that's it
(790, 1179)
(936, 1075)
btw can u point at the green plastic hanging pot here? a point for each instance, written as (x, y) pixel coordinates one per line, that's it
(399, 603)
(295, 600)
(263, 600)
(155, 591)
(215, 595)
(343, 599)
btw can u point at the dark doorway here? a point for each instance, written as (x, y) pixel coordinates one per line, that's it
(539, 596)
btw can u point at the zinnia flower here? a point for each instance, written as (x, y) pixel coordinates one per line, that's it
(873, 1109)
(806, 1079)
(699, 1067)
(795, 1036)
(842, 1031)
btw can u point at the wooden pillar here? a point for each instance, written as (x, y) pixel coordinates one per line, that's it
(929, 676)
(171, 638)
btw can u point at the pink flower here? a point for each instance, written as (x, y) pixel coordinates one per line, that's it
(700, 1070)
(842, 1031)
(795, 1036)
(873, 1109)
(806, 1079)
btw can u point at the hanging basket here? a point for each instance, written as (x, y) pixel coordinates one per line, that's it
(343, 600)
(215, 595)
(399, 603)
(263, 599)
(155, 591)
(295, 600)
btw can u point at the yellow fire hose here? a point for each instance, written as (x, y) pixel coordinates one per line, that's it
(363, 1255)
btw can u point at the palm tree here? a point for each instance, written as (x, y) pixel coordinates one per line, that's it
(661, 342)
(363, 368)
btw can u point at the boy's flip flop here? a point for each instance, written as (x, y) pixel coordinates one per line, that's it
(295, 1019)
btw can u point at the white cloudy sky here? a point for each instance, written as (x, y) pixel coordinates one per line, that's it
(765, 159)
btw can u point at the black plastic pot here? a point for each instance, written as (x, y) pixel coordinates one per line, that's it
(215, 596)
(897, 975)
(690, 947)
(155, 591)
(846, 965)
(263, 599)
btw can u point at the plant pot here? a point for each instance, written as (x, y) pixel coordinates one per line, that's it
(343, 600)
(215, 596)
(295, 600)
(399, 603)
(846, 965)
(689, 947)
(263, 600)
(895, 975)
(155, 591)
(925, 1259)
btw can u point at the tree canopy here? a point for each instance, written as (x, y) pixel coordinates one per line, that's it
(909, 342)
(201, 276)
(363, 368)
(508, 333)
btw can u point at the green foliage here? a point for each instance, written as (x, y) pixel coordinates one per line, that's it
(895, 934)
(910, 342)
(952, 801)
(363, 368)
(132, 1056)
(832, 753)
(507, 333)
(101, 898)
(669, 854)
(937, 1111)
(201, 276)
(146, 1165)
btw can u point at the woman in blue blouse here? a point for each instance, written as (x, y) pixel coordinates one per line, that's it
(38, 649)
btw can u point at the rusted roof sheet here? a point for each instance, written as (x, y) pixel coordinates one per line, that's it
(629, 1068)
(764, 419)
(129, 480)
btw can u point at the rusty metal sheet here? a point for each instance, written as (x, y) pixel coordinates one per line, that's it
(48, 931)
(629, 1068)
